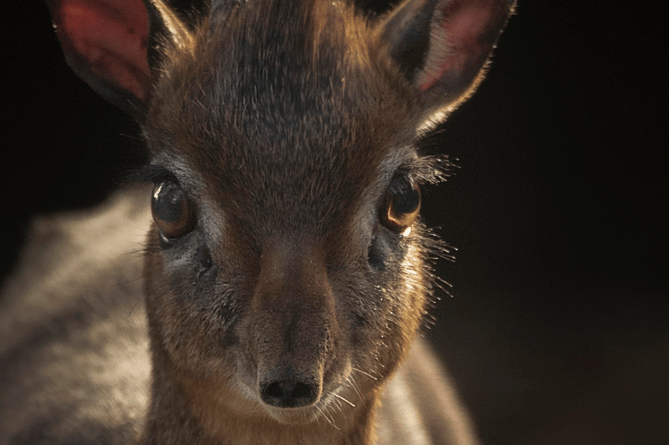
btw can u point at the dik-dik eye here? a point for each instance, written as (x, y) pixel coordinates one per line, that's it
(172, 211)
(401, 204)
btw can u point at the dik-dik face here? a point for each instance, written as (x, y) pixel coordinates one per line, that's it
(287, 252)
(287, 267)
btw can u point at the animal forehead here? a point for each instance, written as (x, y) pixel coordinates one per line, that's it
(268, 67)
(312, 185)
(285, 139)
(288, 85)
(280, 107)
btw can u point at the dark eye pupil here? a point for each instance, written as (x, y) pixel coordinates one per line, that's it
(406, 197)
(401, 204)
(168, 200)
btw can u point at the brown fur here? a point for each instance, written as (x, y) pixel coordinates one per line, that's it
(284, 123)
(341, 318)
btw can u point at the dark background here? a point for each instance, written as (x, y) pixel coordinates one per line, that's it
(557, 331)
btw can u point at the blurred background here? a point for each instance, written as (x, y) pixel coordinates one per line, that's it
(557, 330)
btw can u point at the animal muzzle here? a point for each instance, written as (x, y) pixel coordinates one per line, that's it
(295, 325)
(291, 355)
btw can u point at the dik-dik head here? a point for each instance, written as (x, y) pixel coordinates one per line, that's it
(287, 266)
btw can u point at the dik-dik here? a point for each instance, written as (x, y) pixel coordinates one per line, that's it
(277, 295)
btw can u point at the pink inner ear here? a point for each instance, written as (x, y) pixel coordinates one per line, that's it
(463, 26)
(112, 37)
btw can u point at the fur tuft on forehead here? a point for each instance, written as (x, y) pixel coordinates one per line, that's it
(271, 59)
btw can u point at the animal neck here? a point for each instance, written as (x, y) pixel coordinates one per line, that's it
(185, 408)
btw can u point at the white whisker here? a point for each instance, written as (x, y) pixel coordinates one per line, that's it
(365, 373)
(342, 398)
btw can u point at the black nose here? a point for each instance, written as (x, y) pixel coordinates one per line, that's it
(289, 393)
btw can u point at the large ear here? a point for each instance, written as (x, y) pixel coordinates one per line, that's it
(442, 47)
(112, 45)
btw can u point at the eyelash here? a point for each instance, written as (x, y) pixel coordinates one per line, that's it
(149, 174)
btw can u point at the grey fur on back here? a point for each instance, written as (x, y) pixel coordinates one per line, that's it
(74, 358)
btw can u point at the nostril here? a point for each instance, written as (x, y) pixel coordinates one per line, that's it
(289, 394)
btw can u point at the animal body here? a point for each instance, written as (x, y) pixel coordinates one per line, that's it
(277, 294)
